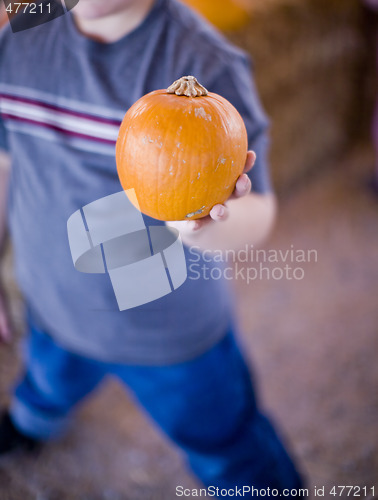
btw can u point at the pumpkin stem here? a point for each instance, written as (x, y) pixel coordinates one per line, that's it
(187, 85)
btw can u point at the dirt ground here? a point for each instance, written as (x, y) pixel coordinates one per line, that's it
(313, 343)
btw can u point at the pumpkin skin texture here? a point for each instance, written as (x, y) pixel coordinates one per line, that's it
(181, 155)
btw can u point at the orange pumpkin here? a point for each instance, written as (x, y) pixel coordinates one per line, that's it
(181, 150)
(226, 15)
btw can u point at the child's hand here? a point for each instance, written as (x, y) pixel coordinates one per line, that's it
(5, 328)
(218, 212)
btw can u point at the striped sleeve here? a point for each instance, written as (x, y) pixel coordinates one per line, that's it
(42, 115)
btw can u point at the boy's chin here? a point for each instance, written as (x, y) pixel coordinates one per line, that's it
(87, 12)
(87, 16)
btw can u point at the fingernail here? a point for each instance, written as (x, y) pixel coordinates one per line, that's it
(221, 211)
(193, 225)
(244, 183)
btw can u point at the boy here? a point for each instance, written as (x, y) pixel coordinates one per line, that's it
(64, 88)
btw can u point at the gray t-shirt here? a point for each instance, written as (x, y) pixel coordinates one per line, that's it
(62, 97)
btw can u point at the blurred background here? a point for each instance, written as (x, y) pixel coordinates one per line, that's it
(313, 341)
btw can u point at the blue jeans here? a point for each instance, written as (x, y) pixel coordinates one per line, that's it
(206, 406)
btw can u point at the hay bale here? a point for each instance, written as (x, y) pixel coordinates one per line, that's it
(307, 56)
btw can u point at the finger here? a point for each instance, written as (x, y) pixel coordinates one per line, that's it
(250, 161)
(242, 187)
(219, 212)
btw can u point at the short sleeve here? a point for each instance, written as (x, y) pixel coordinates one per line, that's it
(235, 83)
